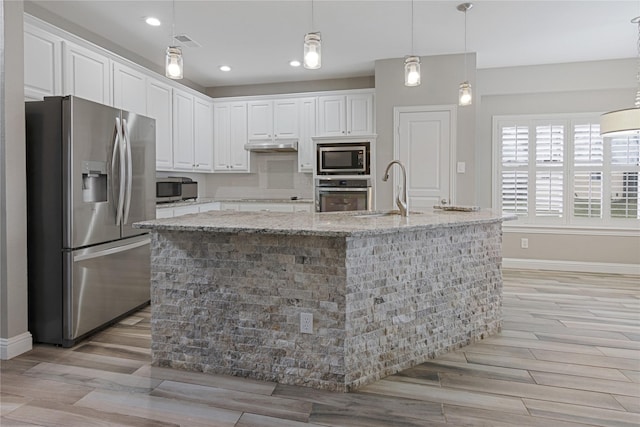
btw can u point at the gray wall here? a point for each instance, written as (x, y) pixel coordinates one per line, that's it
(366, 82)
(441, 77)
(588, 87)
(13, 213)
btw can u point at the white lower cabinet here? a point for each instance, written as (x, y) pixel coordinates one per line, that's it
(266, 207)
(171, 212)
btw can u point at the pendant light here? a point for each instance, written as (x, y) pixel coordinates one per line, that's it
(624, 122)
(173, 60)
(411, 62)
(465, 96)
(312, 46)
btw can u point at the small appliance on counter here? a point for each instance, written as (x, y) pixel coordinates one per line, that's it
(175, 189)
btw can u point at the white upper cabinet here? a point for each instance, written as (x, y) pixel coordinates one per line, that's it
(129, 89)
(273, 119)
(159, 107)
(203, 135)
(307, 108)
(344, 115)
(42, 63)
(87, 74)
(230, 136)
(183, 131)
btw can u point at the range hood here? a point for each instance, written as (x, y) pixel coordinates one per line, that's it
(272, 146)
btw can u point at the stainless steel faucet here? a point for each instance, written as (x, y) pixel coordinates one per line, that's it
(403, 206)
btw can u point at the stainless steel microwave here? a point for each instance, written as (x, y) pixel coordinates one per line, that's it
(174, 189)
(343, 159)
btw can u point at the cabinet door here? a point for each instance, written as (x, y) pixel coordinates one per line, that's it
(42, 63)
(331, 115)
(164, 213)
(86, 74)
(221, 136)
(360, 114)
(182, 130)
(265, 207)
(129, 89)
(307, 130)
(285, 119)
(238, 156)
(159, 107)
(203, 135)
(260, 119)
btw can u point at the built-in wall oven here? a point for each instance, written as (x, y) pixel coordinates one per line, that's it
(336, 194)
(343, 158)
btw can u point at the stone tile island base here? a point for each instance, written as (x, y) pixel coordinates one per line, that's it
(230, 302)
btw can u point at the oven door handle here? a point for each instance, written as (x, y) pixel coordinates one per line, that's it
(351, 189)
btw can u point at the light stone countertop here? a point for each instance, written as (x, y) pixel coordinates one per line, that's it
(336, 224)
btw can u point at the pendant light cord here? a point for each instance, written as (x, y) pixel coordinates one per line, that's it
(465, 45)
(412, 52)
(637, 21)
(173, 23)
(313, 25)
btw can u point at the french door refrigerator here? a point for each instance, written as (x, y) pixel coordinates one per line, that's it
(90, 175)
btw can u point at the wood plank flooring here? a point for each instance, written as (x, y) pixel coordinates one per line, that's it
(568, 355)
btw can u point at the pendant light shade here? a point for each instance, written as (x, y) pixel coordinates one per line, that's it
(411, 62)
(412, 71)
(624, 122)
(465, 94)
(621, 122)
(173, 66)
(312, 51)
(173, 63)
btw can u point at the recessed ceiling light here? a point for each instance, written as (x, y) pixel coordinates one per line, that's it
(225, 68)
(154, 22)
(294, 63)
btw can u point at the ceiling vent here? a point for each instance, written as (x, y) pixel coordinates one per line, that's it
(185, 40)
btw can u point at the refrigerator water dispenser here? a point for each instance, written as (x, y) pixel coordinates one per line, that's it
(94, 181)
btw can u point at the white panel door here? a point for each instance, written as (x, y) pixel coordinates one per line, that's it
(423, 143)
(87, 74)
(159, 107)
(42, 63)
(129, 89)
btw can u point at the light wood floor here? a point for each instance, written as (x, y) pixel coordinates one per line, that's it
(568, 356)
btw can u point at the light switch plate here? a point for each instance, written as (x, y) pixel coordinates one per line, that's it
(462, 167)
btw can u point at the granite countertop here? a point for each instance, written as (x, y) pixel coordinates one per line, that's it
(208, 200)
(319, 224)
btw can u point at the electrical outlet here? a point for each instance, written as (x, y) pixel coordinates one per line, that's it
(524, 243)
(306, 323)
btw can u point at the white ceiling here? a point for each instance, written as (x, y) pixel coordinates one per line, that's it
(258, 38)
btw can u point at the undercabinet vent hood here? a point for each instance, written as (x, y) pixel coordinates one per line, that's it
(272, 146)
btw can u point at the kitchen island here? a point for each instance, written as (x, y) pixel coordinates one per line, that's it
(385, 292)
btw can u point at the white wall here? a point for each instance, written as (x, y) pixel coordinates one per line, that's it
(14, 336)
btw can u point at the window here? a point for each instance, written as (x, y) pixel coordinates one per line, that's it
(558, 170)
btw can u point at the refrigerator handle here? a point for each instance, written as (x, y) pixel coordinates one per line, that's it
(118, 152)
(129, 179)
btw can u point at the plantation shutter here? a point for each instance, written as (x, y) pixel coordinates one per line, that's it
(549, 189)
(588, 160)
(515, 176)
(625, 166)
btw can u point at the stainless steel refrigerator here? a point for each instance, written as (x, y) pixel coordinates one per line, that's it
(90, 175)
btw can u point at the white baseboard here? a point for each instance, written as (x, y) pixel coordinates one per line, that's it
(577, 266)
(14, 346)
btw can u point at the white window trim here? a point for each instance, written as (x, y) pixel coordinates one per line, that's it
(621, 227)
